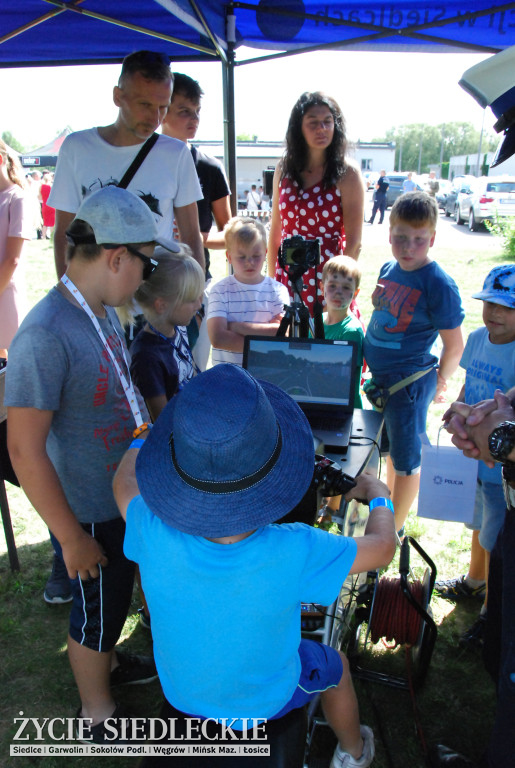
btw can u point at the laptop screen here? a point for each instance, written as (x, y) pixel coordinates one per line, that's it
(312, 371)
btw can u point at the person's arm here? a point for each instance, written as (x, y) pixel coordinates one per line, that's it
(274, 236)
(63, 219)
(28, 429)
(187, 222)
(222, 337)
(255, 329)
(377, 547)
(221, 210)
(125, 485)
(155, 405)
(452, 350)
(12, 253)
(352, 194)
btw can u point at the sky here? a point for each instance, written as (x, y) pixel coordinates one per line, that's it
(376, 91)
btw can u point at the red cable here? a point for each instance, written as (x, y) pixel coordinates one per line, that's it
(393, 617)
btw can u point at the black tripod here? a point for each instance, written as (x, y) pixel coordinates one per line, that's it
(297, 319)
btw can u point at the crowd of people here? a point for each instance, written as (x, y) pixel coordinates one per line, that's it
(204, 462)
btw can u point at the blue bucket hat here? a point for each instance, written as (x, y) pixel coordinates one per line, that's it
(228, 454)
(499, 286)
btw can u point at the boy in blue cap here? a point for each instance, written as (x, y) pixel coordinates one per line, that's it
(226, 459)
(489, 361)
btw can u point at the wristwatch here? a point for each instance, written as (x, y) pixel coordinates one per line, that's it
(501, 441)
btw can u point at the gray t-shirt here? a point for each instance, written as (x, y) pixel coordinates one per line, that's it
(57, 362)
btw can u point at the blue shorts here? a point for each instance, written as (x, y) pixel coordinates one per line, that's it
(322, 668)
(489, 513)
(100, 606)
(405, 417)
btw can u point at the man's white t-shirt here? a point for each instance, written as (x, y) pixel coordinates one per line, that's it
(166, 178)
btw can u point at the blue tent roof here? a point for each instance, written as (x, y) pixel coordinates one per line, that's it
(43, 32)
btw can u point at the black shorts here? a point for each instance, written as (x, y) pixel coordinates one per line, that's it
(100, 606)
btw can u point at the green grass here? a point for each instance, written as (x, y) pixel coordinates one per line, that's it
(456, 703)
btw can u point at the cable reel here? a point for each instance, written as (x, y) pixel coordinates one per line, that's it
(397, 610)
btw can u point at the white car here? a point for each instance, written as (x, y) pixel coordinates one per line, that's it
(491, 198)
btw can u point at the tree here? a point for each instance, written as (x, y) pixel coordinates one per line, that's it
(419, 143)
(12, 142)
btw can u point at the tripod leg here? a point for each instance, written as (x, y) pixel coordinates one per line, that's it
(318, 321)
(284, 325)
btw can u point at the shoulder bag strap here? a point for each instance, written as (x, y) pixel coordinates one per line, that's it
(408, 380)
(131, 170)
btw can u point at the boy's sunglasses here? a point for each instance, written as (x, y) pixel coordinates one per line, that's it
(149, 264)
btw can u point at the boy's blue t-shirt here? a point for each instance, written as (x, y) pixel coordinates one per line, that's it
(410, 308)
(349, 329)
(488, 367)
(226, 618)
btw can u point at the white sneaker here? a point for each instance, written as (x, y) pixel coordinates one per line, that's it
(344, 760)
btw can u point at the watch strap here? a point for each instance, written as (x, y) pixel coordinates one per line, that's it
(508, 471)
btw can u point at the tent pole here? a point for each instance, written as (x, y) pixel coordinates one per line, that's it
(229, 119)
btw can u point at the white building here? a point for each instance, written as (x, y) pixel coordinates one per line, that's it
(254, 157)
(468, 164)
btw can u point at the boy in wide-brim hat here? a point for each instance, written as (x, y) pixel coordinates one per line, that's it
(226, 459)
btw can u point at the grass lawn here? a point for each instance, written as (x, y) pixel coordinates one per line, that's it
(456, 703)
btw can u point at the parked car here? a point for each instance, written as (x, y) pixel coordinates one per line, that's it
(491, 198)
(441, 195)
(461, 185)
(394, 191)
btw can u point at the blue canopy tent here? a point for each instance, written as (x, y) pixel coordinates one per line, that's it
(52, 32)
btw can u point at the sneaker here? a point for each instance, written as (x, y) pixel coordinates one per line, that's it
(474, 636)
(57, 588)
(457, 588)
(133, 669)
(99, 734)
(344, 760)
(144, 618)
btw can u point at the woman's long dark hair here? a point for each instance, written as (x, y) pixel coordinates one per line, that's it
(295, 157)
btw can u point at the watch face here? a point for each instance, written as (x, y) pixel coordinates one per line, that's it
(502, 440)
(496, 444)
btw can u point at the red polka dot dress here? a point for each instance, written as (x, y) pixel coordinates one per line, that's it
(313, 213)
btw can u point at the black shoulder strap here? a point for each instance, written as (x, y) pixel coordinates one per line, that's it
(131, 170)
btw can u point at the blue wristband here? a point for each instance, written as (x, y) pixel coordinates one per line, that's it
(380, 501)
(137, 443)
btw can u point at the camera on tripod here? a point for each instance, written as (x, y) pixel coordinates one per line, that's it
(298, 254)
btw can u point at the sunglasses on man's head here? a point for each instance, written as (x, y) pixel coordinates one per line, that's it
(149, 264)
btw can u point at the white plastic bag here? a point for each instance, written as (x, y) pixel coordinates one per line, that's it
(447, 484)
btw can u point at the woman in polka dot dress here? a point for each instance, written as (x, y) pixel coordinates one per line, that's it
(318, 192)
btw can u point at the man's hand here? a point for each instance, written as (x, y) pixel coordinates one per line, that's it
(471, 425)
(82, 556)
(367, 487)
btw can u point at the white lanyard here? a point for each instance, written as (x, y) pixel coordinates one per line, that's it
(127, 385)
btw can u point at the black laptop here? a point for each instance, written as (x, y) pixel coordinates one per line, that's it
(319, 374)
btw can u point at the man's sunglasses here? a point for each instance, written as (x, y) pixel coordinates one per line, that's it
(149, 264)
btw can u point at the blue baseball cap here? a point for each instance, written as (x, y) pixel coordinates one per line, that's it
(499, 286)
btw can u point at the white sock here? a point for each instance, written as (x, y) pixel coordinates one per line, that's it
(342, 752)
(473, 583)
